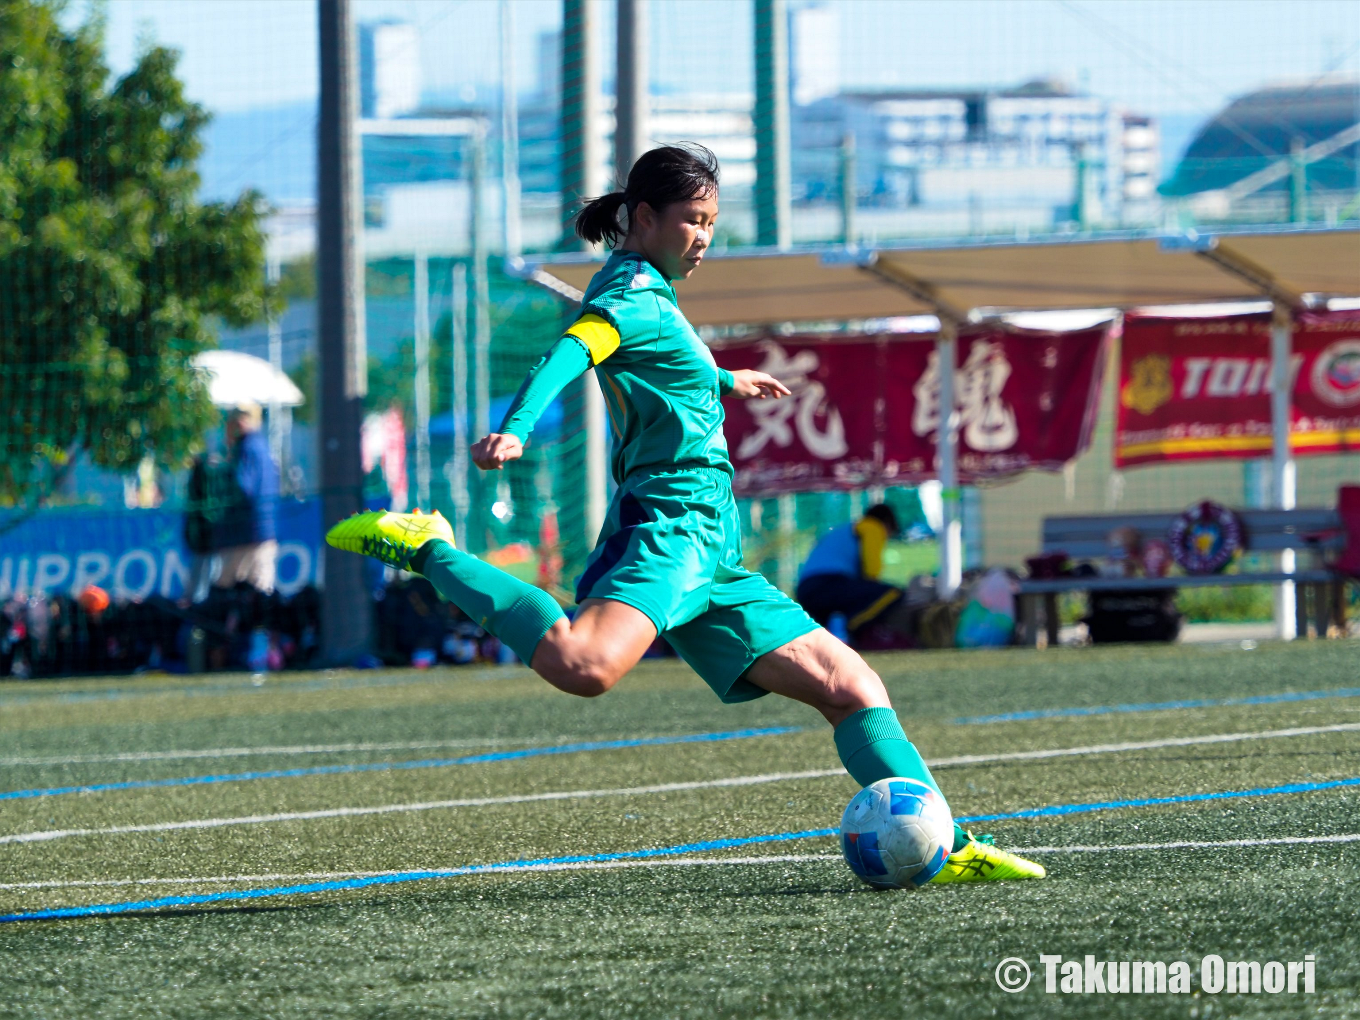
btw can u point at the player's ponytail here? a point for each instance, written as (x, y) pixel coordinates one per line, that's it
(599, 220)
(671, 173)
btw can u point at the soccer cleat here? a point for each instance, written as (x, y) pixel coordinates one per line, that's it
(980, 861)
(390, 537)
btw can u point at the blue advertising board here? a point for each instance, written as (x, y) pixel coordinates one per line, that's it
(134, 554)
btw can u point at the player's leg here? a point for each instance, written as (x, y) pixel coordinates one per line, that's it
(585, 656)
(820, 670)
(590, 653)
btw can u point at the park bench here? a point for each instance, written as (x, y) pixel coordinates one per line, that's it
(1314, 530)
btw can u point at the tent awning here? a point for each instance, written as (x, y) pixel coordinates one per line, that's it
(962, 280)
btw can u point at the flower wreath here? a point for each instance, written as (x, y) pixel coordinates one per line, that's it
(1205, 538)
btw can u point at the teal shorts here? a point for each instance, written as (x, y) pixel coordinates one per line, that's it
(671, 548)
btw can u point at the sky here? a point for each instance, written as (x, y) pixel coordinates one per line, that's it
(1157, 56)
(253, 63)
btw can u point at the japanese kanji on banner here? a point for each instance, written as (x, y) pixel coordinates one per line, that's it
(1199, 388)
(866, 410)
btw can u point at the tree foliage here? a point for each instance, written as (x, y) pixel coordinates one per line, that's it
(112, 273)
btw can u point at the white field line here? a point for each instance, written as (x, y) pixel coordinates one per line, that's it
(772, 777)
(433, 805)
(1348, 837)
(237, 752)
(1142, 745)
(323, 876)
(424, 745)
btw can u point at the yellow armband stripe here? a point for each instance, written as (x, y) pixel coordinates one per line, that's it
(601, 339)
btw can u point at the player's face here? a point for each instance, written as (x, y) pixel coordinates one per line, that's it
(677, 237)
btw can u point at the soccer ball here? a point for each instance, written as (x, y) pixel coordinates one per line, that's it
(897, 833)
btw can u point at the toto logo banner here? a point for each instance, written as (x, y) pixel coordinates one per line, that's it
(865, 410)
(1191, 389)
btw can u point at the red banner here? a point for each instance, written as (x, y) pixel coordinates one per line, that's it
(1195, 389)
(865, 410)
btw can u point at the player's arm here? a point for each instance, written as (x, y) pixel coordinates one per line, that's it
(587, 341)
(747, 382)
(873, 539)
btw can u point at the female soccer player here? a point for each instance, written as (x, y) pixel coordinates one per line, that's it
(669, 556)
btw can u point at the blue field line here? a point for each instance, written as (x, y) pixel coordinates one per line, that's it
(403, 766)
(398, 878)
(1160, 706)
(406, 876)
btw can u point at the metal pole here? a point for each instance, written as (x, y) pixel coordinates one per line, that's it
(346, 612)
(632, 94)
(597, 456)
(583, 177)
(422, 387)
(1298, 183)
(788, 552)
(951, 533)
(582, 146)
(848, 192)
(481, 322)
(458, 466)
(1281, 461)
(513, 235)
(276, 429)
(481, 336)
(773, 189)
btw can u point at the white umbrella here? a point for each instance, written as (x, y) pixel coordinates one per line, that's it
(235, 378)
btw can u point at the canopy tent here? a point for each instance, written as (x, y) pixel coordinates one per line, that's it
(965, 281)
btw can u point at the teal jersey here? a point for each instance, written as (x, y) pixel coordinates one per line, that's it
(661, 385)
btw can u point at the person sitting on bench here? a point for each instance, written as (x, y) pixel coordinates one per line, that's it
(841, 573)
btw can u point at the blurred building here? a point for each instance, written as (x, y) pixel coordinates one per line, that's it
(1038, 155)
(389, 69)
(1279, 154)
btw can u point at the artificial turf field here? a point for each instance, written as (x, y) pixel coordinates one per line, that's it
(761, 928)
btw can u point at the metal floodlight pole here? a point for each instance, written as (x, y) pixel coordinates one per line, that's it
(481, 308)
(632, 94)
(582, 177)
(582, 145)
(1281, 458)
(773, 188)
(946, 445)
(458, 465)
(510, 198)
(422, 380)
(481, 336)
(346, 611)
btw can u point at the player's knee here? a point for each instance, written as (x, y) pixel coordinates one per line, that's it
(583, 679)
(861, 688)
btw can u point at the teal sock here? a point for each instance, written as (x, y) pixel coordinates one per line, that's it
(873, 746)
(517, 613)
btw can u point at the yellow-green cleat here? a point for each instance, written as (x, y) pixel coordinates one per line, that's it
(390, 537)
(979, 861)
